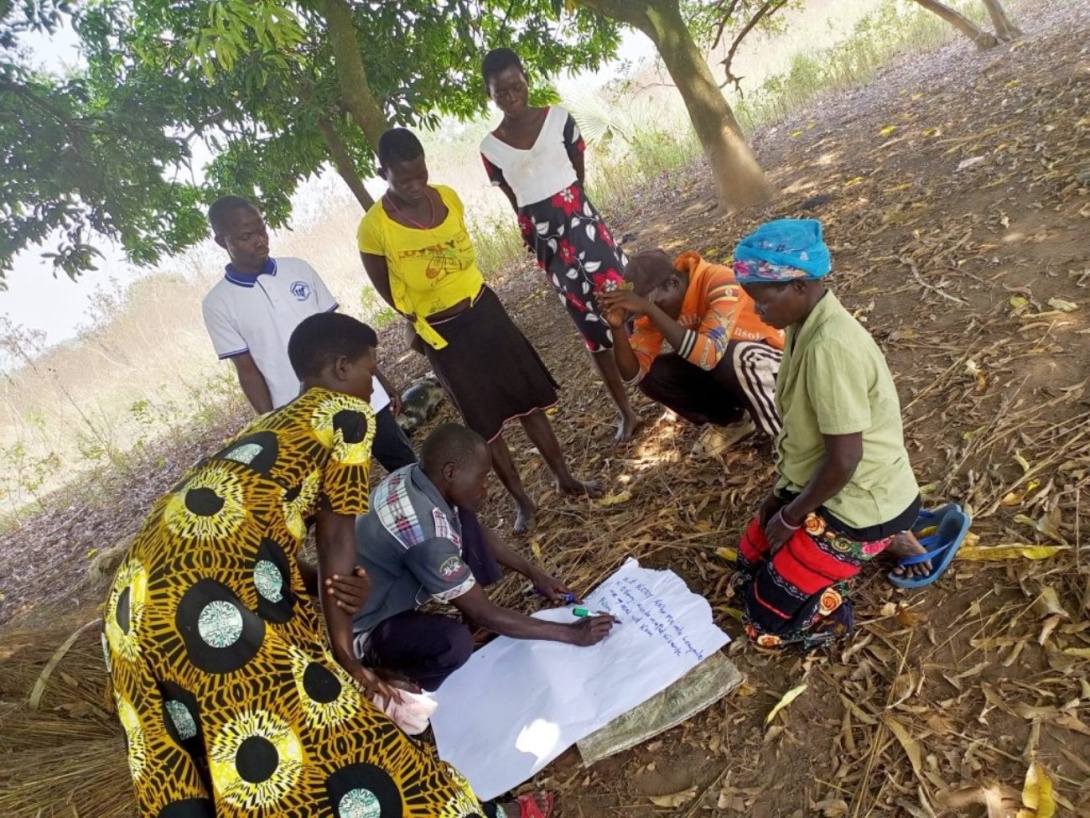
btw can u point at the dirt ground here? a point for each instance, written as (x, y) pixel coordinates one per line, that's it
(956, 202)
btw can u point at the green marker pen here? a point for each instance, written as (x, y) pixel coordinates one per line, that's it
(583, 612)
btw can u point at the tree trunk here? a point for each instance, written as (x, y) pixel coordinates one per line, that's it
(738, 176)
(983, 39)
(1005, 30)
(356, 93)
(344, 164)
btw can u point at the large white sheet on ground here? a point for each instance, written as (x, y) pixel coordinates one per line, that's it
(518, 704)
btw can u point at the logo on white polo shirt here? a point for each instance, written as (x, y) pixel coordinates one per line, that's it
(301, 290)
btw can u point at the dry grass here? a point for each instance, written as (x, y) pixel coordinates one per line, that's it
(66, 757)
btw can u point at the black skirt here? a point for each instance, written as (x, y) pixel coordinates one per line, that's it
(488, 368)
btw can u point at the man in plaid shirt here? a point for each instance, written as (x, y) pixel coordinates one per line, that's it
(422, 541)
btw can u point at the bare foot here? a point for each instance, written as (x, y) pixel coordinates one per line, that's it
(627, 428)
(904, 545)
(588, 488)
(524, 518)
(543, 800)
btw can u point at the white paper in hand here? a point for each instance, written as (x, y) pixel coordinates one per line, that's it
(518, 704)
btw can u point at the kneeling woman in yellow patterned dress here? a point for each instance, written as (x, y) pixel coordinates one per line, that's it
(233, 699)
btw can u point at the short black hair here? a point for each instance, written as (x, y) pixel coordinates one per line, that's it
(223, 207)
(398, 145)
(499, 60)
(449, 443)
(321, 339)
(649, 269)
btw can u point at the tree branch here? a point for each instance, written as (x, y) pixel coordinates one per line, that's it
(198, 130)
(342, 161)
(983, 39)
(769, 8)
(725, 16)
(358, 97)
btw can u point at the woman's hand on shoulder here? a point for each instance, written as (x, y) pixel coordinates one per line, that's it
(349, 593)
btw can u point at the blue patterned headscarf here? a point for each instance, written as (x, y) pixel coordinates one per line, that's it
(782, 250)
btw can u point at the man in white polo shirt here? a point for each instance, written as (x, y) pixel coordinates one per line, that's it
(252, 311)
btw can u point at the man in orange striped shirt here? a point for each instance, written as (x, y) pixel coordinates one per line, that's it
(724, 358)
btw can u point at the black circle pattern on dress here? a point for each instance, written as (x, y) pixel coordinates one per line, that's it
(320, 684)
(354, 790)
(257, 759)
(352, 425)
(220, 633)
(272, 578)
(124, 600)
(182, 717)
(174, 555)
(203, 502)
(189, 808)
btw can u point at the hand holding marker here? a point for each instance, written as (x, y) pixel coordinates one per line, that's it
(582, 612)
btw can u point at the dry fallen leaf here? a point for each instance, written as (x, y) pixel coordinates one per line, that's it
(1000, 801)
(1049, 525)
(1048, 604)
(910, 745)
(1030, 712)
(1037, 794)
(1062, 305)
(788, 697)
(1050, 624)
(968, 163)
(727, 610)
(831, 807)
(1010, 552)
(1072, 723)
(673, 800)
(857, 711)
(1021, 461)
(614, 499)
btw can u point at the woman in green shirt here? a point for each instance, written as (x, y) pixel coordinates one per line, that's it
(845, 487)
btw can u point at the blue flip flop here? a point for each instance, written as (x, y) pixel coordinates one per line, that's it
(947, 527)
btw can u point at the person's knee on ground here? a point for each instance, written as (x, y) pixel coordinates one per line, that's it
(459, 647)
(689, 391)
(747, 372)
(423, 648)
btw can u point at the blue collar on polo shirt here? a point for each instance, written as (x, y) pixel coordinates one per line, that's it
(248, 279)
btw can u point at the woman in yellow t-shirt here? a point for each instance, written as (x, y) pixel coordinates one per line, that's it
(419, 256)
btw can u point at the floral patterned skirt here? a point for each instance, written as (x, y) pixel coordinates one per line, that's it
(799, 595)
(576, 250)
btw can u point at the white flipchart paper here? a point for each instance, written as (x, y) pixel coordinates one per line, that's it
(518, 704)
